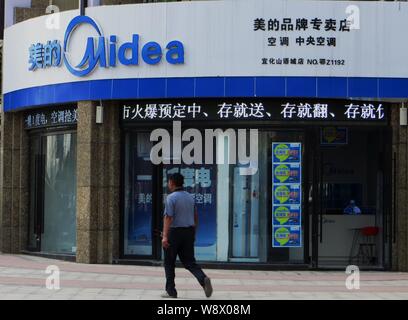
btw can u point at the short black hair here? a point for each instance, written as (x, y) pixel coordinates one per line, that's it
(178, 179)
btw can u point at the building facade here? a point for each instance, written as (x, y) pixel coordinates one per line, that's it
(297, 111)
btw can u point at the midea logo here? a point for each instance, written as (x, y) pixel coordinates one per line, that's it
(99, 52)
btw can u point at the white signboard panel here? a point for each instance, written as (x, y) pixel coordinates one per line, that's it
(222, 38)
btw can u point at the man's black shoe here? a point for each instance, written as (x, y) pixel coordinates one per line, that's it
(167, 295)
(208, 289)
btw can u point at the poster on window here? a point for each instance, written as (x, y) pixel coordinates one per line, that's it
(286, 194)
(201, 182)
(286, 215)
(287, 236)
(286, 173)
(286, 152)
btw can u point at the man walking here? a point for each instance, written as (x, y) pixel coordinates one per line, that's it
(179, 229)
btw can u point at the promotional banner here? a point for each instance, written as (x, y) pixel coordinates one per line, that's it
(286, 173)
(256, 109)
(286, 194)
(286, 215)
(51, 117)
(287, 236)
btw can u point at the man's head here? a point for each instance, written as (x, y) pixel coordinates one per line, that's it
(176, 181)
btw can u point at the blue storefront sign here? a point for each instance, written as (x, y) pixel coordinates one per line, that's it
(286, 194)
(101, 51)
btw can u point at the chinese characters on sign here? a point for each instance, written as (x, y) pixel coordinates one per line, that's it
(286, 194)
(301, 32)
(264, 109)
(364, 111)
(301, 24)
(306, 111)
(42, 56)
(163, 111)
(302, 61)
(242, 111)
(48, 118)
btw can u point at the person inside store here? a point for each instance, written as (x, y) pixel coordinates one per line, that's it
(180, 224)
(352, 208)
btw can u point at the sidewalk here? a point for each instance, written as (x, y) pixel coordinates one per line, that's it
(24, 277)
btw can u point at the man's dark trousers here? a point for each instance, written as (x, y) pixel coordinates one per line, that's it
(181, 242)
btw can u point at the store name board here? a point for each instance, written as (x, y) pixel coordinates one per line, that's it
(101, 52)
(301, 32)
(51, 118)
(267, 110)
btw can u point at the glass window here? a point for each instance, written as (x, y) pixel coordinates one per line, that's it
(59, 233)
(234, 209)
(34, 227)
(138, 196)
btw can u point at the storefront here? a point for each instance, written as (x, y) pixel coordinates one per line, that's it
(286, 127)
(333, 165)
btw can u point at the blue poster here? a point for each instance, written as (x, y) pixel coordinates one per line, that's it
(286, 194)
(287, 236)
(286, 173)
(286, 152)
(286, 215)
(201, 182)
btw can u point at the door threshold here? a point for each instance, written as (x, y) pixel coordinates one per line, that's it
(56, 256)
(343, 267)
(261, 266)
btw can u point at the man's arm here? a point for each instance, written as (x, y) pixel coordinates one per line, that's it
(167, 221)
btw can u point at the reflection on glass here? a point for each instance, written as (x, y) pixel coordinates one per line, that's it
(245, 229)
(59, 233)
(34, 229)
(139, 196)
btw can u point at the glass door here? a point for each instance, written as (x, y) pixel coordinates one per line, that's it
(348, 198)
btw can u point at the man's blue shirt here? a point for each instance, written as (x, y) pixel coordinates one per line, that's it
(180, 206)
